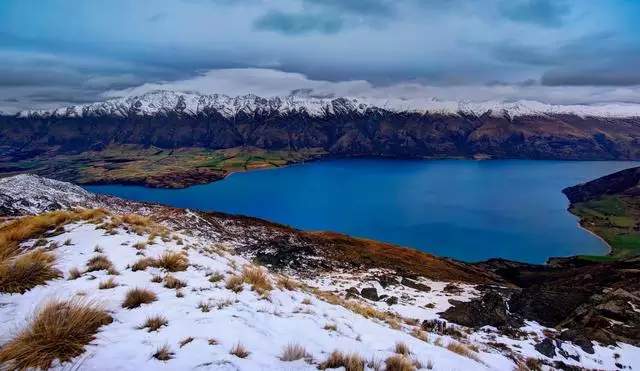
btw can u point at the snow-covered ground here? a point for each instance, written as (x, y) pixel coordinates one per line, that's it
(264, 324)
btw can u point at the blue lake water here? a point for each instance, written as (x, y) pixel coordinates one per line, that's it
(467, 210)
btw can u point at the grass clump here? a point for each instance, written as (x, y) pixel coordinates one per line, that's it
(398, 363)
(402, 348)
(171, 282)
(58, 331)
(154, 323)
(216, 277)
(140, 245)
(143, 264)
(74, 273)
(157, 278)
(163, 353)
(239, 351)
(173, 262)
(337, 359)
(234, 283)
(462, 350)
(286, 283)
(293, 352)
(185, 341)
(26, 271)
(204, 307)
(136, 297)
(331, 327)
(108, 284)
(257, 278)
(99, 263)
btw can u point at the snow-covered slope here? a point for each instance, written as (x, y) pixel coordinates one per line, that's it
(207, 318)
(29, 194)
(162, 102)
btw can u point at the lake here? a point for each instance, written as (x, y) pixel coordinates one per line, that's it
(467, 210)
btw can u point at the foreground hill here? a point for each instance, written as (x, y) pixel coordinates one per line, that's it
(168, 139)
(96, 282)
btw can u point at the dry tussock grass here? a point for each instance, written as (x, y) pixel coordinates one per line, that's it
(257, 278)
(136, 297)
(398, 363)
(74, 273)
(402, 348)
(163, 353)
(462, 350)
(108, 284)
(59, 330)
(185, 341)
(234, 283)
(99, 263)
(157, 278)
(173, 262)
(216, 277)
(142, 264)
(26, 271)
(350, 362)
(154, 323)
(239, 351)
(330, 327)
(140, 245)
(171, 282)
(293, 352)
(286, 283)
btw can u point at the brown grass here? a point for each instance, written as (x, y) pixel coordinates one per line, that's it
(163, 353)
(204, 307)
(234, 283)
(140, 245)
(402, 348)
(157, 278)
(286, 283)
(136, 297)
(533, 364)
(171, 282)
(59, 330)
(173, 262)
(351, 362)
(154, 323)
(239, 351)
(293, 352)
(179, 294)
(74, 273)
(99, 263)
(108, 284)
(26, 271)
(398, 363)
(216, 277)
(143, 264)
(257, 278)
(331, 327)
(462, 350)
(185, 341)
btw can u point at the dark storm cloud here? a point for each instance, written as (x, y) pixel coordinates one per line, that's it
(603, 77)
(299, 23)
(549, 13)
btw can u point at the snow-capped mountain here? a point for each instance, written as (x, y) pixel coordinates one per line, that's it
(162, 102)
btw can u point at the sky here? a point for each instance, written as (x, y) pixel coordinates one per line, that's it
(64, 52)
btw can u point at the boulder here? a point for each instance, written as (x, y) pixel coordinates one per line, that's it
(546, 347)
(392, 300)
(369, 293)
(415, 285)
(577, 338)
(489, 310)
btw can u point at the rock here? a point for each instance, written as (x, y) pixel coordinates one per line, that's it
(577, 338)
(386, 281)
(546, 348)
(392, 300)
(383, 297)
(452, 288)
(352, 292)
(490, 310)
(369, 293)
(415, 285)
(564, 353)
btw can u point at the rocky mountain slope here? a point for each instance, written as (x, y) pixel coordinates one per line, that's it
(354, 296)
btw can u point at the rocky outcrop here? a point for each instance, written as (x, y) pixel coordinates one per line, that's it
(489, 310)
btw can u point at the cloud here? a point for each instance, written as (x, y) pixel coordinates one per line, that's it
(548, 13)
(298, 23)
(268, 83)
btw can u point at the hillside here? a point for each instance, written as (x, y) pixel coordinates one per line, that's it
(610, 207)
(219, 291)
(168, 139)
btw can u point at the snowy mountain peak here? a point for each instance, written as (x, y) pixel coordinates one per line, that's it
(162, 102)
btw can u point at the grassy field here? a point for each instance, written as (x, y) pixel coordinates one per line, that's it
(155, 167)
(617, 220)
